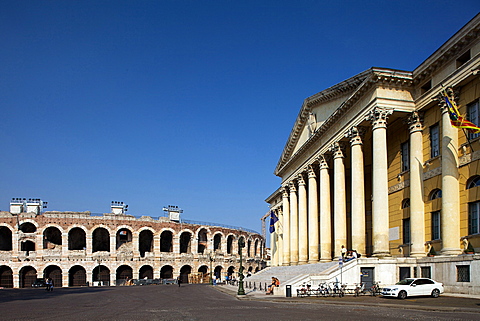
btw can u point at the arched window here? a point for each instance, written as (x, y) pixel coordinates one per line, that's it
(406, 203)
(436, 193)
(473, 181)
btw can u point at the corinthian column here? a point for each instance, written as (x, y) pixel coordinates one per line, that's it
(339, 199)
(325, 213)
(286, 227)
(293, 224)
(380, 221)
(302, 221)
(312, 216)
(274, 248)
(417, 211)
(279, 230)
(358, 190)
(450, 218)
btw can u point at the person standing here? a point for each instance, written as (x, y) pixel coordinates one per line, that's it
(344, 252)
(179, 280)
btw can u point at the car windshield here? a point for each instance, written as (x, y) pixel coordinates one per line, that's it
(405, 282)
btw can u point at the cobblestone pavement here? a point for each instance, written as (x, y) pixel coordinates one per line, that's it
(203, 302)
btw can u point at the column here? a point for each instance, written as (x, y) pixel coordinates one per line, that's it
(286, 227)
(380, 220)
(450, 216)
(339, 199)
(302, 221)
(293, 224)
(279, 229)
(273, 248)
(325, 213)
(313, 237)
(358, 190)
(417, 209)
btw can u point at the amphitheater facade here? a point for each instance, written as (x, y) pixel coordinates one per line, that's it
(79, 248)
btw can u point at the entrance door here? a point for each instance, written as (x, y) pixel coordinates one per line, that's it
(404, 273)
(367, 276)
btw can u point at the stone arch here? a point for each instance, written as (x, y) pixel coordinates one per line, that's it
(28, 227)
(203, 269)
(240, 238)
(434, 194)
(249, 247)
(202, 238)
(218, 272)
(28, 275)
(231, 271)
(230, 243)
(257, 269)
(217, 241)
(145, 272)
(77, 276)
(185, 239)
(52, 237)
(472, 182)
(27, 246)
(166, 241)
(145, 242)
(5, 238)
(185, 272)
(124, 272)
(124, 238)
(53, 272)
(6, 277)
(166, 272)
(255, 248)
(77, 238)
(101, 273)
(100, 240)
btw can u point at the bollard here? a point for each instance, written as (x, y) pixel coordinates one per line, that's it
(288, 290)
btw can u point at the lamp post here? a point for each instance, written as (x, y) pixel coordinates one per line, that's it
(241, 291)
(211, 261)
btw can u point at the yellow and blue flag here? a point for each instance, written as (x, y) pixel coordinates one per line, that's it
(456, 119)
(273, 220)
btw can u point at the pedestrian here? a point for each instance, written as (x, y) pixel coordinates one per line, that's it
(49, 285)
(344, 252)
(179, 280)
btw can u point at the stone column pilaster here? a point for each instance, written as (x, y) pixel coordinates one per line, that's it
(279, 229)
(358, 190)
(286, 227)
(417, 206)
(293, 224)
(273, 248)
(313, 235)
(325, 213)
(302, 221)
(339, 199)
(380, 219)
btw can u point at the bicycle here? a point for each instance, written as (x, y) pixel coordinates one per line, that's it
(375, 289)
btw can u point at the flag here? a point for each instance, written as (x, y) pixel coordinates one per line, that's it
(456, 119)
(273, 220)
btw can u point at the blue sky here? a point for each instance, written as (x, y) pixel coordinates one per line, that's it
(188, 103)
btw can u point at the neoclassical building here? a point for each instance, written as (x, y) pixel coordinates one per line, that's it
(79, 248)
(373, 163)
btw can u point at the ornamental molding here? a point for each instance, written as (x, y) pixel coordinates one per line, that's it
(399, 186)
(432, 173)
(468, 158)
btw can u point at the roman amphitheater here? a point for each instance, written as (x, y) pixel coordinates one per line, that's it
(81, 248)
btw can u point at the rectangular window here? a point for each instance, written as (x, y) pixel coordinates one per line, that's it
(405, 156)
(426, 272)
(473, 210)
(436, 225)
(473, 116)
(463, 273)
(434, 141)
(406, 231)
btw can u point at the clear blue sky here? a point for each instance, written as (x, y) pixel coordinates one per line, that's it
(187, 103)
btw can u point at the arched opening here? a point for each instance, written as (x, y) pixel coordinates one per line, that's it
(101, 273)
(217, 242)
(145, 242)
(146, 272)
(28, 246)
(55, 273)
(230, 239)
(473, 181)
(5, 239)
(185, 272)
(241, 239)
(52, 238)
(218, 272)
(249, 247)
(77, 239)
(250, 269)
(166, 242)
(166, 272)
(124, 273)
(231, 271)
(28, 275)
(185, 242)
(77, 276)
(257, 269)
(436, 193)
(28, 227)
(6, 277)
(203, 269)
(202, 241)
(124, 239)
(100, 240)
(255, 249)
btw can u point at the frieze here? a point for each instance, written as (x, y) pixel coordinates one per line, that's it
(399, 186)
(432, 173)
(468, 158)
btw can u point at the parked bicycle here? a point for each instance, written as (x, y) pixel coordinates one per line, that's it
(375, 289)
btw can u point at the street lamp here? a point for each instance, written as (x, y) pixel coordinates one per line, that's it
(211, 261)
(241, 245)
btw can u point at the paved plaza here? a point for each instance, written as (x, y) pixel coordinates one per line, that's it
(203, 302)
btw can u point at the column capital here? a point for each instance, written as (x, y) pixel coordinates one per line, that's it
(356, 134)
(322, 159)
(415, 122)
(300, 179)
(285, 191)
(292, 187)
(451, 93)
(337, 149)
(311, 172)
(378, 117)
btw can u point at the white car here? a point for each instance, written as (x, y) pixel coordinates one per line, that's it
(413, 287)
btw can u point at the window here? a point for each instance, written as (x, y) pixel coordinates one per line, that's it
(436, 193)
(405, 156)
(426, 272)
(473, 210)
(473, 116)
(473, 182)
(406, 203)
(426, 87)
(436, 225)
(463, 58)
(406, 231)
(434, 141)
(463, 273)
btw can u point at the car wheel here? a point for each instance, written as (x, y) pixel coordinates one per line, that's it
(402, 295)
(435, 293)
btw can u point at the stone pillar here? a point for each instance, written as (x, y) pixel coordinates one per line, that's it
(88, 244)
(358, 190)
(313, 237)
(286, 227)
(380, 220)
(65, 245)
(302, 221)
(450, 215)
(273, 248)
(293, 224)
(325, 213)
(417, 206)
(113, 245)
(339, 198)
(279, 230)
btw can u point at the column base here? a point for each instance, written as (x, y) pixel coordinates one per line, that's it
(382, 254)
(285, 264)
(302, 262)
(451, 251)
(325, 260)
(293, 263)
(418, 254)
(312, 261)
